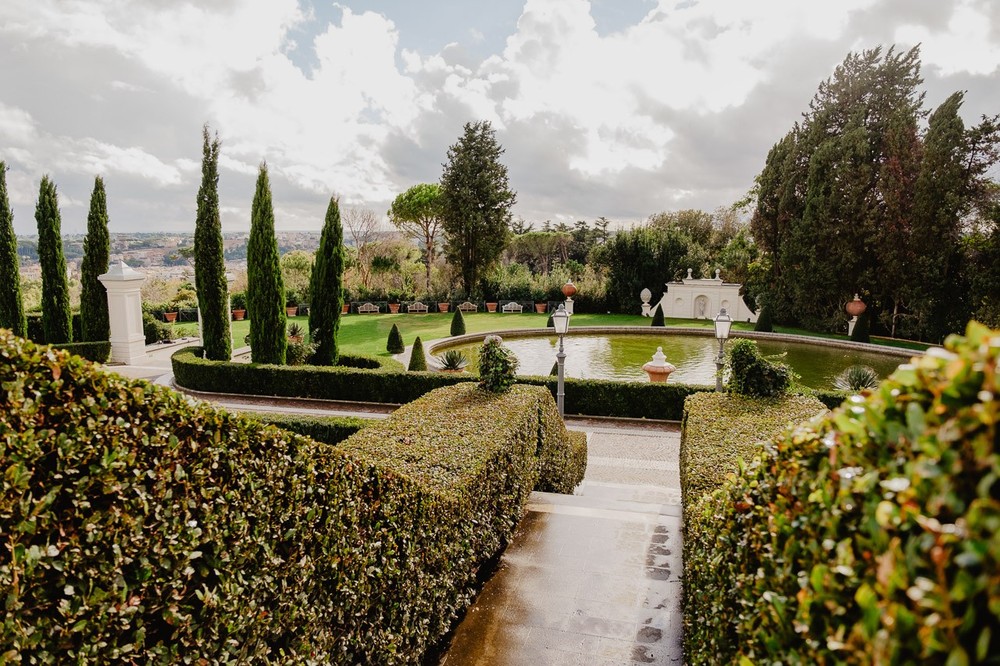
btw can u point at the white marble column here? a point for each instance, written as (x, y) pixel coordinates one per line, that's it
(123, 284)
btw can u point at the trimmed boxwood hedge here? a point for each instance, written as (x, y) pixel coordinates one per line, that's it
(868, 536)
(98, 352)
(583, 396)
(141, 527)
(720, 429)
(326, 429)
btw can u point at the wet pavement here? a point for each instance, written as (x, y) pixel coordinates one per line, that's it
(591, 578)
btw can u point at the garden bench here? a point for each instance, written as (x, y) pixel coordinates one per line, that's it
(416, 307)
(368, 308)
(513, 306)
(468, 307)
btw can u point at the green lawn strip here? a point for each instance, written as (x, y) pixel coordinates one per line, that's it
(367, 334)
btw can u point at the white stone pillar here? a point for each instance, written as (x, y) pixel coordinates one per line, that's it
(123, 284)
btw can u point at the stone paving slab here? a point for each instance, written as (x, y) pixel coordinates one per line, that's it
(590, 578)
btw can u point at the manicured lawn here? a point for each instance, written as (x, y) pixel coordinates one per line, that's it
(367, 334)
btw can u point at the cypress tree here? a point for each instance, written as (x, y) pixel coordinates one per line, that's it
(265, 290)
(418, 362)
(56, 318)
(209, 262)
(658, 317)
(96, 255)
(458, 323)
(395, 345)
(11, 305)
(326, 288)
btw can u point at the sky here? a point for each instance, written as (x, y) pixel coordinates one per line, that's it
(614, 108)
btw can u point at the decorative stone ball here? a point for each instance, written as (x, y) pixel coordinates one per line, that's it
(855, 307)
(645, 295)
(568, 289)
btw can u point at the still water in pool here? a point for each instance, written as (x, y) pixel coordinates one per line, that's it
(621, 357)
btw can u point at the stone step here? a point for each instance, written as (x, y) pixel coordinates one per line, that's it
(601, 506)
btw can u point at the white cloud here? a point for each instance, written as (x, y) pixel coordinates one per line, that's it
(963, 46)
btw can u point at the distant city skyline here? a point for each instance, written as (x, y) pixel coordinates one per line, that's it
(614, 108)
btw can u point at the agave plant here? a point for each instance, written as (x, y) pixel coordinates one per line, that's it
(453, 360)
(295, 331)
(856, 378)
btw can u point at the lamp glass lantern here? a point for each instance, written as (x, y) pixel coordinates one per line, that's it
(723, 324)
(560, 321)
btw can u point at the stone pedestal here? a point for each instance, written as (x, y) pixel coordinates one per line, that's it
(123, 284)
(658, 369)
(569, 305)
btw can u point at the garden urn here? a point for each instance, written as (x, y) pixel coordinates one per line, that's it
(658, 369)
(855, 307)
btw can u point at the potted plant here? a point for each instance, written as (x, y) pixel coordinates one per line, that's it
(443, 306)
(239, 304)
(291, 303)
(453, 361)
(491, 306)
(539, 296)
(295, 333)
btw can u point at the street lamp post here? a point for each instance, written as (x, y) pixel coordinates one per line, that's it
(722, 325)
(560, 320)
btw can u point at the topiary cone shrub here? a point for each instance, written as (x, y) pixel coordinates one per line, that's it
(868, 536)
(860, 332)
(658, 317)
(764, 324)
(395, 345)
(457, 323)
(418, 360)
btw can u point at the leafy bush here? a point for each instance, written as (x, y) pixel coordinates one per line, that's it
(36, 332)
(497, 365)
(395, 344)
(299, 352)
(458, 323)
(868, 536)
(418, 362)
(856, 378)
(144, 528)
(238, 300)
(752, 375)
(155, 330)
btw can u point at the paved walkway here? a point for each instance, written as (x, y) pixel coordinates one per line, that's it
(591, 578)
(588, 579)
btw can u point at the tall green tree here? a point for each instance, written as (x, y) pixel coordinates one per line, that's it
(209, 262)
(96, 256)
(640, 258)
(11, 303)
(57, 322)
(417, 213)
(475, 203)
(265, 290)
(327, 288)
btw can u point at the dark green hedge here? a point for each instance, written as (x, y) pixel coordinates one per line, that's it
(37, 333)
(326, 429)
(720, 429)
(142, 528)
(583, 396)
(867, 537)
(98, 352)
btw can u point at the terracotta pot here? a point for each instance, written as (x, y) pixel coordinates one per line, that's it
(855, 307)
(394, 308)
(238, 315)
(291, 310)
(170, 316)
(295, 338)
(491, 307)
(347, 308)
(540, 308)
(443, 307)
